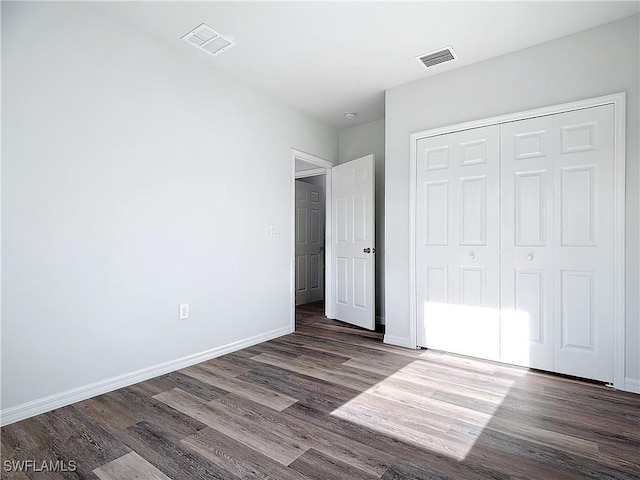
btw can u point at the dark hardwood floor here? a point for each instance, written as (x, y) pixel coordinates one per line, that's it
(333, 402)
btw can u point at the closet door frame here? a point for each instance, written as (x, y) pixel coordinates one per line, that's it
(618, 100)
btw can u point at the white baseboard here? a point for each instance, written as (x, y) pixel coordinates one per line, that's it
(398, 341)
(62, 399)
(632, 385)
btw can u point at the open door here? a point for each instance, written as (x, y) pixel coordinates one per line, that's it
(353, 242)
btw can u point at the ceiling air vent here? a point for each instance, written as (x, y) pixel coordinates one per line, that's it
(435, 58)
(208, 40)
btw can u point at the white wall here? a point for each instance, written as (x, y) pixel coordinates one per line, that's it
(596, 62)
(134, 180)
(356, 142)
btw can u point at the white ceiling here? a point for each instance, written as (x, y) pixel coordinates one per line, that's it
(328, 58)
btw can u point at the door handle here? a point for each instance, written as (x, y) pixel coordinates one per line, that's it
(367, 250)
(472, 256)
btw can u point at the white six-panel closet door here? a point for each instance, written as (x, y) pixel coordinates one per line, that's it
(583, 236)
(527, 247)
(557, 243)
(458, 242)
(514, 242)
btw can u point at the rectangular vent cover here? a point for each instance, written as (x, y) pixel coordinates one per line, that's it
(435, 58)
(208, 40)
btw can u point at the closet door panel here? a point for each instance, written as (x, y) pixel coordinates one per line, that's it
(515, 242)
(457, 247)
(527, 249)
(583, 231)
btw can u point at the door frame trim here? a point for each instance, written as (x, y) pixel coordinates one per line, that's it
(314, 172)
(324, 167)
(618, 100)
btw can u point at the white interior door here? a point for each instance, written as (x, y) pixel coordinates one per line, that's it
(309, 243)
(527, 243)
(583, 235)
(353, 242)
(557, 243)
(549, 271)
(458, 242)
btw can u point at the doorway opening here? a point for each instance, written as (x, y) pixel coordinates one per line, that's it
(347, 286)
(310, 268)
(309, 240)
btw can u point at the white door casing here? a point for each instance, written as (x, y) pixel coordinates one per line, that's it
(309, 237)
(353, 242)
(458, 242)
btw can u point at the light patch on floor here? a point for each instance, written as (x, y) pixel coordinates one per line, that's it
(415, 418)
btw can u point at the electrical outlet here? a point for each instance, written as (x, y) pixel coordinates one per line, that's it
(184, 311)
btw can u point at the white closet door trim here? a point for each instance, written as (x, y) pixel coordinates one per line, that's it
(618, 100)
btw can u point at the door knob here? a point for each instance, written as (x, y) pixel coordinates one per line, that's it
(367, 250)
(472, 256)
(530, 257)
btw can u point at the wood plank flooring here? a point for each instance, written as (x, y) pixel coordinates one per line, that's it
(334, 402)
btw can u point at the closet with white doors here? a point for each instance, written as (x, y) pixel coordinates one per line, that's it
(514, 242)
